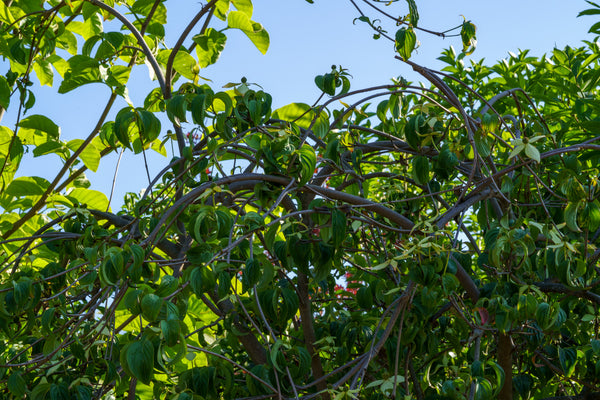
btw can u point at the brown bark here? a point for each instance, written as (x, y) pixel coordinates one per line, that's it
(309, 332)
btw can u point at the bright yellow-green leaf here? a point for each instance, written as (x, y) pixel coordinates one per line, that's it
(27, 186)
(259, 36)
(299, 113)
(239, 20)
(92, 26)
(209, 46)
(406, 41)
(255, 31)
(5, 14)
(244, 6)
(91, 198)
(37, 129)
(90, 155)
(44, 72)
(186, 65)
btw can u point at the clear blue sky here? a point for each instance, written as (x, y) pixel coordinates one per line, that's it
(305, 41)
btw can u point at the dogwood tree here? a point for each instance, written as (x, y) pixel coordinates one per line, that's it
(426, 241)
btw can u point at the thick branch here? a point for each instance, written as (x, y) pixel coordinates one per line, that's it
(554, 287)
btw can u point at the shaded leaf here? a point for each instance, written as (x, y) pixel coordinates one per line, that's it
(140, 360)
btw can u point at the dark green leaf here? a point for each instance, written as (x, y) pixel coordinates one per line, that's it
(151, 305)
(308, 162)
(16, 385)
(176, 108)
(140, 360)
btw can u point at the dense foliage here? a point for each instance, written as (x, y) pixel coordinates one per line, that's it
(401, 241)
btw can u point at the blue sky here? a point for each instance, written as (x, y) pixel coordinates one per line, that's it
(305, 41)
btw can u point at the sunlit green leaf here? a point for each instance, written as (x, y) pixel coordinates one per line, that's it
(186, 65)
(41, 123)
(91, 198)
(406, 41)
(299, 113)
(209, 46)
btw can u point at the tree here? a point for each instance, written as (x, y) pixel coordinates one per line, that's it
(416, 242)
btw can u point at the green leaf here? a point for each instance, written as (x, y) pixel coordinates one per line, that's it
(200, 254)
(151, 305)
(148, 125)
(467, 34)
(414, 13)
(82, 71)
(589, 11)
(244, 6)
(143, 7)
(571, 216)
(259, 36)
(170, 331)
(11, 151)
(253, 220)
(406, 41)
(27, 186)
(420, 170)
(139, 255)
(209, 46)
(202, 280)
(140, 360)
(591, 215)
(239, 20)
(482, 145)
(532, 152)
(168, 285)
(90, 27)
(44, 72)
(40, 123)
(6, 16)
(412, 129)
(251, 274)
(40, 391)
(68, 42)
(483, 389)
(186, 65)
(4, 93)
(338, 226)
(176, 108)
(255, 31)
(299, 113)
(308, 162)
(489, 122)
(568, 360)
(118, 75)
(90, 155)
(16, 383)
(91, 198)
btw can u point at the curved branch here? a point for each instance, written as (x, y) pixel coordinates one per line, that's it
(175, 49)
(139, 38)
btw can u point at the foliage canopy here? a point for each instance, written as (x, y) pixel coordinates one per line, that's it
(399, 241)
